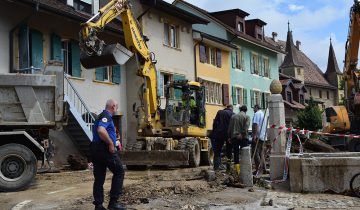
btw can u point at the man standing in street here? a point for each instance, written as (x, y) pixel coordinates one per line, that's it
(220, 134)
(238, 131)
(105, 155)
(258, 136)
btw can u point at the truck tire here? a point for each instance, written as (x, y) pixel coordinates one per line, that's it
(140, 145)
(18, 167)
(207, 157)
(181, 144)
(193, 147)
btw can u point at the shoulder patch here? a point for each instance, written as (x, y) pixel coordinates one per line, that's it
(104, 119)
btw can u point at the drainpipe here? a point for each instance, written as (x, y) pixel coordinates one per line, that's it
(11, 33)
(195, 67)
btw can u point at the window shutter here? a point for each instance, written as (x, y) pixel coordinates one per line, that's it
(225, 93)
(161, 85)
(233, 95)
(260, 66)
(233, 59)
(252, 98)
(75, 59)
(242, 65)
(56, 48)
(24, 47)
(252, 70)
(218, 57)
(166, 34)
(202, 51)
(116, 74)
(178, 92)
(99, 73)
(245, 96)
(36, 49)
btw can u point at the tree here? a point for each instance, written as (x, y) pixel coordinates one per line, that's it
(310, 118)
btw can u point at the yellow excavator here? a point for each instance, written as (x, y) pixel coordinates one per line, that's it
(172, 136)
(346, 119)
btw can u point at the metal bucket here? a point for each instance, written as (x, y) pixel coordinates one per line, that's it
(114, 54)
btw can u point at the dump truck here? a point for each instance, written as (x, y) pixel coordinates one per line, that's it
(175, 135)
(30, 105)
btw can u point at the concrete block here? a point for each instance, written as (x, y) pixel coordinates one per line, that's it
(246, 176)
(276, 167)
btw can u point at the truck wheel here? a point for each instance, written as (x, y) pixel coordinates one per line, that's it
(137, 147)
(193, 147)
(207, 157)
(181, 144)
(18, 167)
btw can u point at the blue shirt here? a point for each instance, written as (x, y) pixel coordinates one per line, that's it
(104, 120)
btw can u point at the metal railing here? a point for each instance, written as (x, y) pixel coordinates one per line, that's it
(76, 102)
(29, 70)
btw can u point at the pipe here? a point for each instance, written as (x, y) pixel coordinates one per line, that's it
(195, 67)
(11, 42)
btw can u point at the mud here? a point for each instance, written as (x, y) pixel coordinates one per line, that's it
(183, 188)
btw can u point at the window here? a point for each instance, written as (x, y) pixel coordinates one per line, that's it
(83, 6)
(164, 79)
(110, 74)
(298, 71)
(254, 63)
(259, 33)
(30, 48)
(255, 97)
(327, 95)
(71, 55)
(320, 94)
(289, 96)
(213, 92)
(240, 27)
(238, 95)
(310, 91)
(302, 101)
(171, 34)
(237, 59)
(210, 55)
(266, 67)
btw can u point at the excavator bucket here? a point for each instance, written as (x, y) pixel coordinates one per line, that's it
(155, 157)
(114, 54)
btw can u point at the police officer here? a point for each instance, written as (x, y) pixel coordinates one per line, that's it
(104, 155)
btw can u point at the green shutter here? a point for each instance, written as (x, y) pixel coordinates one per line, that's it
(100, 73)
(56, 53)
(24, 47)
(252, 70)
(178, 92)
(233, 95)
(36, 40)
(242, 60)
(233, 59)
(261, 69)
(75, 59)
(252, 98)
(116, 74)
(245, 96)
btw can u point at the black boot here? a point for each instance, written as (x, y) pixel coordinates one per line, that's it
(99, 207)
(114, 205)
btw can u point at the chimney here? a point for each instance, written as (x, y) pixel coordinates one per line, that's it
(298, 44)
(274, 36)
(70, 2)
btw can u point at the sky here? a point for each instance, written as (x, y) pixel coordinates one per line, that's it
(313, 22)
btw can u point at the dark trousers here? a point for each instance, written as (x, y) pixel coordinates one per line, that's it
(237, 145)
(219, 143)
(103, 159)
(259, 154)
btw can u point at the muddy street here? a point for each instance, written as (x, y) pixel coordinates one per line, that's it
(183, 188)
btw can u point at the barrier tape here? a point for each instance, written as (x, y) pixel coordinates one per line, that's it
(308, 132)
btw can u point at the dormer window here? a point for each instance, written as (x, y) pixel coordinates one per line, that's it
(240, 27)
(289, 96)
(259, 33)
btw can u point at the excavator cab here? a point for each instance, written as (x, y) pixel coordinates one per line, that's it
(188, 108)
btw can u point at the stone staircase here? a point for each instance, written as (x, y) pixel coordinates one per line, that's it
(80, 119)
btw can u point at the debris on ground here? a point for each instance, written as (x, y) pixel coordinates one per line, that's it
(77, 162)
(317, 145)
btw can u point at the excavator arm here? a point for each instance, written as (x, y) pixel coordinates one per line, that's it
(95, 51)
(351, 75)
